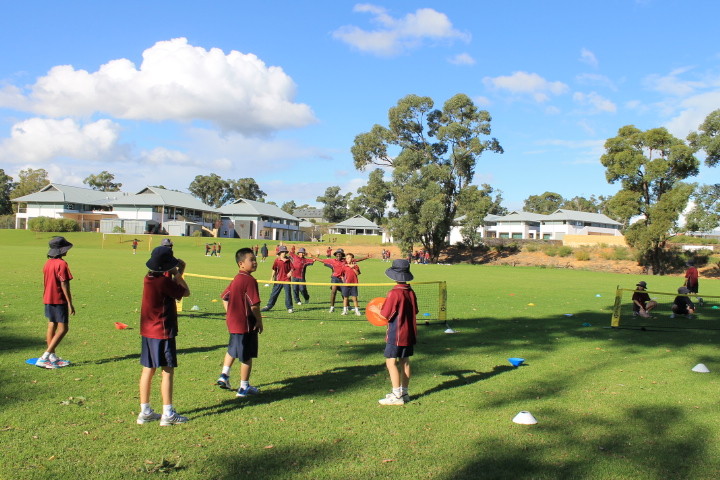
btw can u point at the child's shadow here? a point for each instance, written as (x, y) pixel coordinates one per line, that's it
(464, 377)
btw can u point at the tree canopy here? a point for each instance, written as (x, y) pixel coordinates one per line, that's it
(708, 138)
(335, 204)
(650, 166)
(103, 181)
(545, 203)
(30, 181)
(6, 187)
(210, 189)
(433, 154)
(246, 188)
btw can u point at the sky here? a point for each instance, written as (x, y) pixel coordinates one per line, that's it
(159, 92)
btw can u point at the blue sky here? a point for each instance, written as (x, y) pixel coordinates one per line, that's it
(159, 92)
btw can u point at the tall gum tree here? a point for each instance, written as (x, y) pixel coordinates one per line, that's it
(650, 166)
(433, 154)
(705, 216)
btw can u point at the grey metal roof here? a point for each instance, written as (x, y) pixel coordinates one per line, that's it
(521, 217)
(57, 193)
(358, 221)
(309, 212)
(256, 209)
(573, 215)
(151, 196)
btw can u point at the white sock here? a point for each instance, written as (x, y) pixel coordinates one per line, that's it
(345, 309)
(226, 371)
(145, 408)
(244, 384)
(45, 355)
(168, 410)
(397, 392)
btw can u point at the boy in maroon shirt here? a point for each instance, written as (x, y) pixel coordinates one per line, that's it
(299, 265)
(241, 300)
(162, 287)
(282, 268)
(350, 275)
(58, 301)
(400, 308)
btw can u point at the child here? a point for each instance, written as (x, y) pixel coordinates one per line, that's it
(299, 265)
(163, 285)
(282, 267)
(400, 308)
(682, 304)
(241, 300)
(350, 275)
(337, 265)
(691, 281)
(642, 305)
(57, 300)
(134, 246)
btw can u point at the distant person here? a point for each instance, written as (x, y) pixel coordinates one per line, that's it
(241, 300)
(58, 301)
(264, 252)
(351, 272)
(328, 252)
(134, 246)
(692, 281)
(282, 268)
(299, 266)
(256, 248)
(163, 286)
(213, 250)
(400, 309)
(219, 248)
(682, 304)
(642, 305)
(207, 249)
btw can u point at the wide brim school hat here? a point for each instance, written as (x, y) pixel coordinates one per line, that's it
(166, 242)
(301, 250)
(340, 251)
(282, 248)
(400, 271)
(683, 290)
(162, 260)
(58, 246)
(641, 284)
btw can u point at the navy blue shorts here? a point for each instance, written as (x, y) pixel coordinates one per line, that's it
(57, 313)
(393, 351)
(243, 346)
(349, 291)
(158, 352)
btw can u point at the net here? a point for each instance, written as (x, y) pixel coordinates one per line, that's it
(706, 316)
(205, 299)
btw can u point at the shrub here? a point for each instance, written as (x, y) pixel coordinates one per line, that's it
(47, 224)
(582, 255)
(512, 247)
(620, 253)
(531, 247)
(197, 233)
(118, 229)
(564, 251)
(550, 250)
(7, 221)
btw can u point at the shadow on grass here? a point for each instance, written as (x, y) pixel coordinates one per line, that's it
(305, 385)
(277, 462)
(135, 356)
(463, 378)
(654, 442)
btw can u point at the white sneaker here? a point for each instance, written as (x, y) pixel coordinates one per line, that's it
(290, 310)
(45, 363)
(391, 399)
(148, 417)
(332, 309)
(299, 303)
(344, 312)
(357, 312)
(174, 419)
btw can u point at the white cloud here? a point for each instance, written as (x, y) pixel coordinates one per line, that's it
(693, 113)
(586, 56)
(39, 140)
(672, 84)
(597, 102)
(176, 81)
(397, 35)
(527, 84)
(462, 59)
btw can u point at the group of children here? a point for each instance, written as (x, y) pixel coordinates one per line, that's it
(213, 249)
(164, 284)
(682, 305)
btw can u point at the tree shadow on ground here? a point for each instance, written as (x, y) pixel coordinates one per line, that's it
(135, 356)
(463, 378)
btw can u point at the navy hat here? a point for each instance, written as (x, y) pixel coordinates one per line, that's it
(58, 246)
(162, 260)
(400, 271)
(166, 242)
(641, 284)
(282, 248)
(301, 250)
(340, 251)
(683, 290)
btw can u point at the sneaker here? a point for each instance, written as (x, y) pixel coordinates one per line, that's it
(357, 312)
(45, 363)
(264, 309)
(290, 310)
(332, 309)
(344, 312)
(223, 381)
(174, 419)
(244, 392)
(299, 303)
(148, 417)
(59, 362)
(391, 399)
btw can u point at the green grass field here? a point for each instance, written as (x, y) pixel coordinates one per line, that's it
(610, 403)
